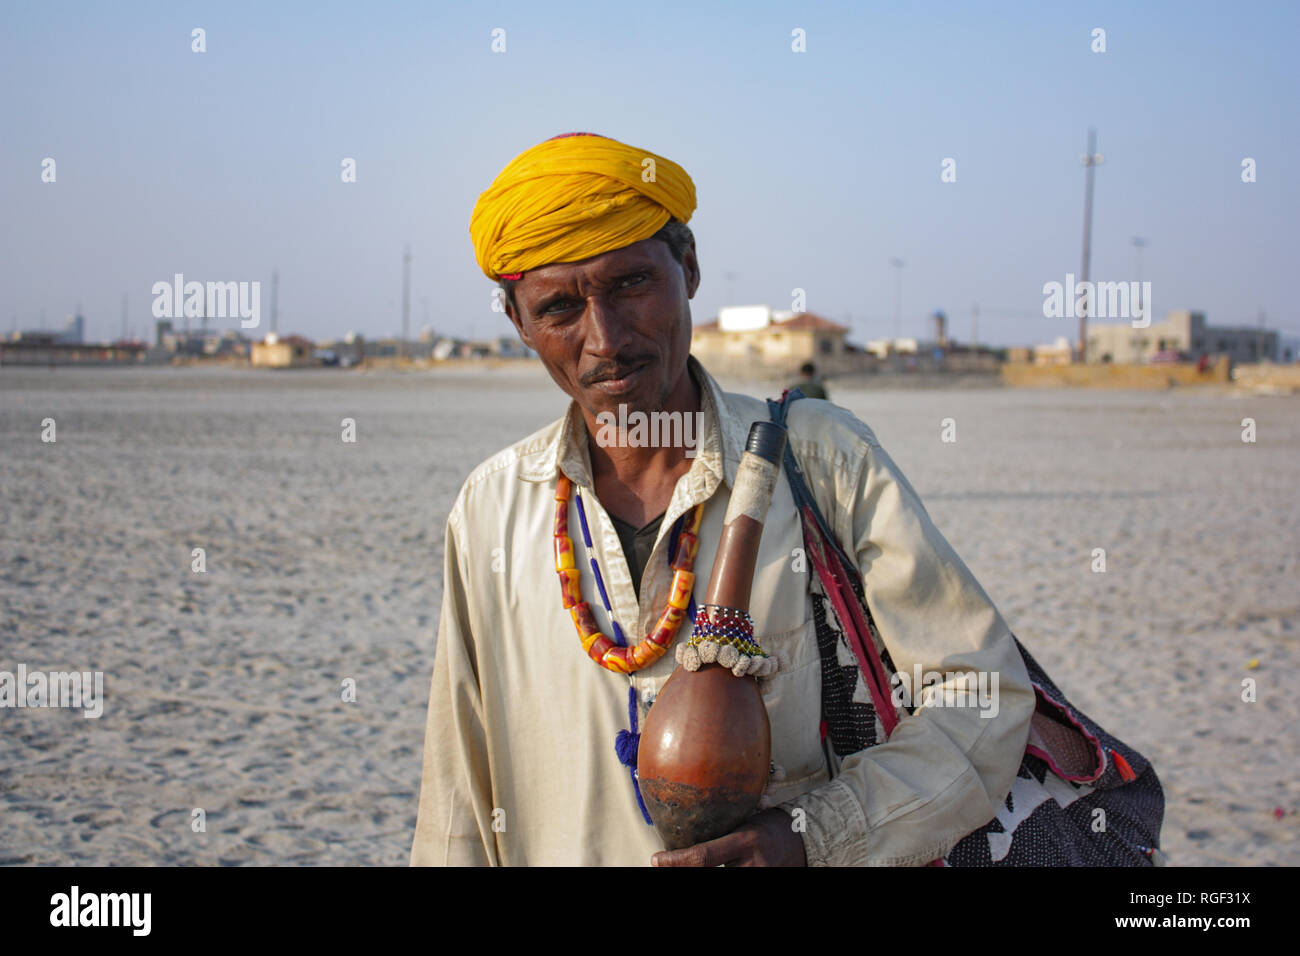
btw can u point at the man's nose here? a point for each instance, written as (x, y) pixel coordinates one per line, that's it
(607, 333)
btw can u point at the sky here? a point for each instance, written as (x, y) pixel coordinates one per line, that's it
(813, 169)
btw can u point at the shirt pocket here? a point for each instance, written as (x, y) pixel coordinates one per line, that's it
(793, 699)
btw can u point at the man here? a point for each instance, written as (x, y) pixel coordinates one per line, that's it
(809, 383)
(587, 238)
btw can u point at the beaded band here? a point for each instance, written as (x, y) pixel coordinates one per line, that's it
(725, 635)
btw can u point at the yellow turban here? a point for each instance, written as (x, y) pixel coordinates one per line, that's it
(573, 197)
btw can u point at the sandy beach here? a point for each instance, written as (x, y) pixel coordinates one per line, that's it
(323, 563)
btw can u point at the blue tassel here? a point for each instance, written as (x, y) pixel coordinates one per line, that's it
(626, 745)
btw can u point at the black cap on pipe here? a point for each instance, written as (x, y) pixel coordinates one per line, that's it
(767, 441)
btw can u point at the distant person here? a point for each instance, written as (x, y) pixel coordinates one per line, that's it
(1203, 364)
(809, 383)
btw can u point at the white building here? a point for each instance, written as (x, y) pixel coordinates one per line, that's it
(1184, 332)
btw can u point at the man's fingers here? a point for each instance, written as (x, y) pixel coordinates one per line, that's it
(713, 853)
(697, 855)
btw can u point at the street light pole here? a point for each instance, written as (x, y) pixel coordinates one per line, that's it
(1091, 160)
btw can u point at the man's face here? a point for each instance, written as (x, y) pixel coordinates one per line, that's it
(613, 329)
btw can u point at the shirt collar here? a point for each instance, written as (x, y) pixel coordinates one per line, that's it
(721, 441)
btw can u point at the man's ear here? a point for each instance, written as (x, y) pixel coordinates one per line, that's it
(691, 267)
(513, 313)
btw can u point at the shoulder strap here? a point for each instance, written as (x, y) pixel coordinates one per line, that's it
(839, 575)
(803, 497)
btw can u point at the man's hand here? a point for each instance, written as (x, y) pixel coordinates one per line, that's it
(767, 839)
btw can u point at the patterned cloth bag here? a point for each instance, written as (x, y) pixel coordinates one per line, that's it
(1071, 770)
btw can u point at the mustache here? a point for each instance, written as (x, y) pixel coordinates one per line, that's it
(609, 370)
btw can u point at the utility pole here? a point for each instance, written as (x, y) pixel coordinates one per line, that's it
(1139, 244)
(898, 295)
(275, 298)
(406, 297)
(1091, 160)
(975, 325)
(123, 316)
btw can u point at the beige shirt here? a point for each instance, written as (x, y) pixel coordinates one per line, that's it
(519, 759)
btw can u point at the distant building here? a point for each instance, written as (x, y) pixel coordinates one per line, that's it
(74, 332)
(26, 348)
(1060, 352)
(393, 347)
(884, 348)
(352, 350)
(201, 343)
(509, 346)
(290, 351)
(1182, 332)
(34, 337)
(347, 351)
(505, 346)
(940, 320)
(748, 336)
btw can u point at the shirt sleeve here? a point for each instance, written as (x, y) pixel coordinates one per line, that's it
(945, 771)
(454, 823)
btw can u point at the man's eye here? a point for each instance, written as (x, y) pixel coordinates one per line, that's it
(567, 305)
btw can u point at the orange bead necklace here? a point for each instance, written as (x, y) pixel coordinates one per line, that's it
(611, 653)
